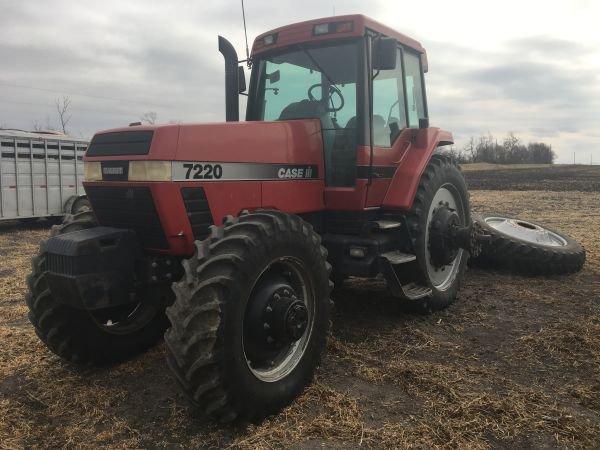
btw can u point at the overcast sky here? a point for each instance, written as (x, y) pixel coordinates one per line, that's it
(527, 66)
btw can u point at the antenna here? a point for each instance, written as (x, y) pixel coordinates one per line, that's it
(245, 33)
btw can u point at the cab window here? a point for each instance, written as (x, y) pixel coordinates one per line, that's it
(388, 104)
(414, 89)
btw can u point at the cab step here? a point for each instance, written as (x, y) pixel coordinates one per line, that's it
(396, 262)
(385, 225)
(414, 291)
(397, 257)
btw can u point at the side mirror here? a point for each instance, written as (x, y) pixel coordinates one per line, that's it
(274, 77)
(384, 54)
(424, 123)
(241, 80)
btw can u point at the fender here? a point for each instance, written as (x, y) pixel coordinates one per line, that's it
(403, 187)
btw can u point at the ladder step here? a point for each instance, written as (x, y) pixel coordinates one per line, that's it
(413, 291)
(386, 225)
(397, 257)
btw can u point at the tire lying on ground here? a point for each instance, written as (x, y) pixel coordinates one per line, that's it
(526, 247)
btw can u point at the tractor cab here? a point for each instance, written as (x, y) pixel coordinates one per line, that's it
(361, 80)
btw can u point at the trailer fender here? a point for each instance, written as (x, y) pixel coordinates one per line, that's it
(403, 187)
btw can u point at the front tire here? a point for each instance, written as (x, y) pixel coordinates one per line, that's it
(231, 346)
(78, 336)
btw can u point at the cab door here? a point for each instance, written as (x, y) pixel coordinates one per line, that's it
(389, 128)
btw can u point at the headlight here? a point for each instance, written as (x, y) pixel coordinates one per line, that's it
(149, 170)
(92, 171)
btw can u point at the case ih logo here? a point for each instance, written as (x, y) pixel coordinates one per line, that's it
(222, 171)
(295, 172)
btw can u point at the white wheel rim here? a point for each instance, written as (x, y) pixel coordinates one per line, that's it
(526, 231)
(442, 277)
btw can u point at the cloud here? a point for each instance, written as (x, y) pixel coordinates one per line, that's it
(117, 60)
(533, 86)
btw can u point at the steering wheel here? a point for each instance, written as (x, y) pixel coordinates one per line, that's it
(332, 90)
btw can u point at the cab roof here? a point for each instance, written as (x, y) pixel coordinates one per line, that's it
(303, 32)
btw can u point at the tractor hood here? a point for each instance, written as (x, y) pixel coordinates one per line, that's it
(294, 142)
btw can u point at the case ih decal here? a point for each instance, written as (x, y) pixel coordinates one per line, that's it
(207, 171)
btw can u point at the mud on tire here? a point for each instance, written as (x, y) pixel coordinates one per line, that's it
(206, 341)
(71, 333)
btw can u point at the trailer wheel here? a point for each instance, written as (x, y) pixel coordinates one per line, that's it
(442, 185)
(527, 247)
(79, 336)
(251, 316)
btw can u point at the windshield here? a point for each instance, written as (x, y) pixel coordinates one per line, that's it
(314, 83)
(308, 83)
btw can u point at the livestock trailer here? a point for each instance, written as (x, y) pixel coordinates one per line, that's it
(40, 174)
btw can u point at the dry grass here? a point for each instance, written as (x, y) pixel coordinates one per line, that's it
(514, 363)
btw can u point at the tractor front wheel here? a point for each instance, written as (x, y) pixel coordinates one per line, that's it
(251, 316)
(85, 337)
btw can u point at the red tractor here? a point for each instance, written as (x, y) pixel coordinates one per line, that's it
(227, 235)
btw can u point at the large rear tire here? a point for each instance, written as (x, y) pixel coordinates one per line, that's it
(79, 336)
(442, 185)
(253, 283)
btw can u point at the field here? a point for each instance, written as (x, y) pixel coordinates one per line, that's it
(527, 177)
(515, 362)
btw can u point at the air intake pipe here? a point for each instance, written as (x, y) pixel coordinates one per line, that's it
(232, 104)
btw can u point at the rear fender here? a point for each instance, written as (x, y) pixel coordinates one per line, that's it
(403, 187)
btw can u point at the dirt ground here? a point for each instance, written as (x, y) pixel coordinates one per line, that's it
(526, 177)
(514, 363)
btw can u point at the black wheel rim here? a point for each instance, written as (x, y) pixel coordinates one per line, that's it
(278, 319)
(129, 318)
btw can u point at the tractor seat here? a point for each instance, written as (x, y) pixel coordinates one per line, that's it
(304, 109)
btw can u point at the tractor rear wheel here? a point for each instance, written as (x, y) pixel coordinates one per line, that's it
(251, 316)
(82, 337)
(526, 247)
(442, 191)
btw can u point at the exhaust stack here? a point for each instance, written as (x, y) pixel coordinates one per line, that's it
(232, 104)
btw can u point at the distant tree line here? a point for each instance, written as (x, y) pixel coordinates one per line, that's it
(508, 151)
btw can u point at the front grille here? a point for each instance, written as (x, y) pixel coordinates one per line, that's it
(198, 211)
(120, 143)
(128, 207)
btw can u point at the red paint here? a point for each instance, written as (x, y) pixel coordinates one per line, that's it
(347, 198)
(302, 32)
(294, 141)
(403, 187)
(224, 198)
(163, 146)
(293, 196)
